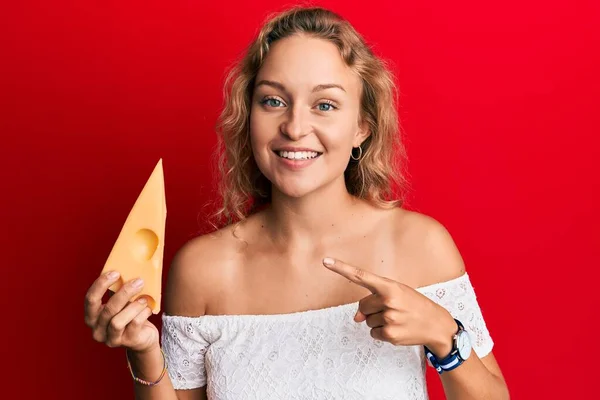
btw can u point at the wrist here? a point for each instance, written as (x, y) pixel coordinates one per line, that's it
(146, 364)
(152, 349)
(442, 342)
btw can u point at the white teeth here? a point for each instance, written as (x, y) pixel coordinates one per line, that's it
(298, 155)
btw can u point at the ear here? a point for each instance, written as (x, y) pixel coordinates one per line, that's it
(362, 134)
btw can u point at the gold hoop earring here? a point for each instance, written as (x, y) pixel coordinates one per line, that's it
(360, 152)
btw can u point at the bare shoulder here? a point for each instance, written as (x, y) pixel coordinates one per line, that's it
(198, 270)
(429, 246)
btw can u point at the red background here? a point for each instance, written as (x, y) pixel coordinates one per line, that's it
(500, 108)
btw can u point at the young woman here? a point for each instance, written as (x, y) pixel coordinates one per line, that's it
(319, 285)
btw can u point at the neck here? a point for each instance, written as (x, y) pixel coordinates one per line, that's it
(301, 223)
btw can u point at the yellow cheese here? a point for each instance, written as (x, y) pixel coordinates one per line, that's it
(139, 248)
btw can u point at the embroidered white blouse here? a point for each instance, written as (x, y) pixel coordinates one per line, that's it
(315, 354)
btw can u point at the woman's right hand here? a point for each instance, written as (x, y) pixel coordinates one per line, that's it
(120, 322)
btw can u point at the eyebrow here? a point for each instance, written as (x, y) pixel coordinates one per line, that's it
(317, 88)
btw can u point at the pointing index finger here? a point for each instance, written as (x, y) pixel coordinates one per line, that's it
(366, 279)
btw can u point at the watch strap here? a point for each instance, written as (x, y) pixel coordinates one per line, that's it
(446, 364)
(451, 361)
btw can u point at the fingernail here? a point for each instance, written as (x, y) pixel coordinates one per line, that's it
(328, 261)
(142, 300)
(113, 275)
(138, 283)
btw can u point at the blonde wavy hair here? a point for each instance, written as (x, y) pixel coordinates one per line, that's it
(242, 187)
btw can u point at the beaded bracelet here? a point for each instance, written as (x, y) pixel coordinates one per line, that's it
(143, 382)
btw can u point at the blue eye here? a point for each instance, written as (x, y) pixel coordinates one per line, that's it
(325, 107)
(271, 102)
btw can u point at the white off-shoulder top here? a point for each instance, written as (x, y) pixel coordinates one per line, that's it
(315, 354)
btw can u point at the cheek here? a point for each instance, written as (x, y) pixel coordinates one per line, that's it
(338, 136)
(259, 131)
(261, 134)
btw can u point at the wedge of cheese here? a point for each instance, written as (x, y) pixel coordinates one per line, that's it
(139, 248)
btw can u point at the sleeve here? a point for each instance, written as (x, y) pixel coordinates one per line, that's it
(459, 298)
(184, 347)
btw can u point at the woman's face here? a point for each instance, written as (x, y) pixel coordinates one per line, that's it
(304, 118)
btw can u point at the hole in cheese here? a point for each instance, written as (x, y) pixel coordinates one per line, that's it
(149, 299)
(144, 244)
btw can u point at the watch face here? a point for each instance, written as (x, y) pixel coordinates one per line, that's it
(463, 343)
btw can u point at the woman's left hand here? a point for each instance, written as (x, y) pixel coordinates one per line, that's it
(397, 313)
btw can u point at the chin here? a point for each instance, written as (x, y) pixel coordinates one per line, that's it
(294, 192)
(296, 189)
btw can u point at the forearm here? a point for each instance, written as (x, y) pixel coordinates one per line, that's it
(472, 380)
(148, 366)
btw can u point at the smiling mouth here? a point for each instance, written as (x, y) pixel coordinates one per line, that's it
(298, 155)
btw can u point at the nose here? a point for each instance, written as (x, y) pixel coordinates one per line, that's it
(296, 124)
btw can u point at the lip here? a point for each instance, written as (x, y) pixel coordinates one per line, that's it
(287, 148)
